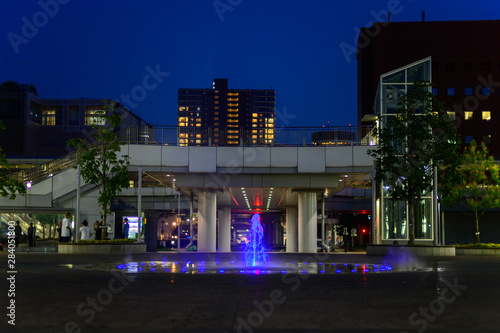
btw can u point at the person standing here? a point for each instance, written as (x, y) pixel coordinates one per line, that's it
(31, 235)
(65, 228)
(98, 229)
(85, 231)
(18, 231)
(125, 228)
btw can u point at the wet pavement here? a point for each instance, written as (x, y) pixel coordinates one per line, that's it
(215, 292)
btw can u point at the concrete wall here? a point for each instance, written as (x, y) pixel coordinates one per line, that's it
(249, 159)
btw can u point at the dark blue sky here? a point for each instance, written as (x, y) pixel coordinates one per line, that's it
(101, 49)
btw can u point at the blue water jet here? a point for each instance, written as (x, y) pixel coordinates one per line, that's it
(255, 251)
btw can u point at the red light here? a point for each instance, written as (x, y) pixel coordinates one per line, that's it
(364, 230)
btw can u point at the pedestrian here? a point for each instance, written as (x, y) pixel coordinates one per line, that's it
(125, 228)
(98, 229)
(31, 236)
(85, 231)
(18, 231)
(65, 229)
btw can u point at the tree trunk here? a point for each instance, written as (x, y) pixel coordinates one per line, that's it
(477, 228)
(411, 221)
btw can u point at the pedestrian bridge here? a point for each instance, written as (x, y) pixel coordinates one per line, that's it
(221, 179)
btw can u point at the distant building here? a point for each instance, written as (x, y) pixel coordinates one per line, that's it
(37, 129)
(465, 70)
(223, 117)
(334, 137)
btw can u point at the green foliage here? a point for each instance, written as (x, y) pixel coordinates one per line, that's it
(479, 245)
(100, 161)
(420, 136)
(477, 183)
(9, 187)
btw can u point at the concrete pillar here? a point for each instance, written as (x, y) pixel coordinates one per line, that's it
(207, 221)
(224, 241)
(308, 222)
(291, 229)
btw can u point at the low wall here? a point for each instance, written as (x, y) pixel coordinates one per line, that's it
(477, 252)
(420, 250)
(102, 248)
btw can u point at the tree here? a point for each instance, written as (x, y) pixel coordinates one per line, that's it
(420, 136)
(9, 187)
(477, 186)
(99, 161)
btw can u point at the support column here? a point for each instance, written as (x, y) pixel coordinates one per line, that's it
(207, 221)
(308, 222)
(291, 229)
(224, 241)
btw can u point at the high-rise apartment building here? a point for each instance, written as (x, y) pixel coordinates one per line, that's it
(223, 117)
(465, 69)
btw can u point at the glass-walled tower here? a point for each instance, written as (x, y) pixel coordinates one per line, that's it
(391, 222)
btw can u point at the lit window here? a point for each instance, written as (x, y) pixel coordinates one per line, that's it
(468, 115)
(487, 115)
(451, 114)
(95, 117)
(216, 91)
(216, 102)
(232, 104)
(198, 125)
(198, 120)
(485, 91)
(254, 115)
(49, 117)
(451, 91)
(198, 136)
(216, 108)
(198, 141)
(232, 94)
(182, 124)
(468, 91)
(254, 120)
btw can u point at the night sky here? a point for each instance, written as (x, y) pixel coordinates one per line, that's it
(105, 49)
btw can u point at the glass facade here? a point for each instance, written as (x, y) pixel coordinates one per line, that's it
(394, 214)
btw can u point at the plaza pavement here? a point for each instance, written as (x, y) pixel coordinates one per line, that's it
(52, 293)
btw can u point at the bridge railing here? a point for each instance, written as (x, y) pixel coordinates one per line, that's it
(253, 136)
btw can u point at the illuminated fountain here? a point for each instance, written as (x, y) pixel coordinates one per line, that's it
(255, 251)
(256, 261)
